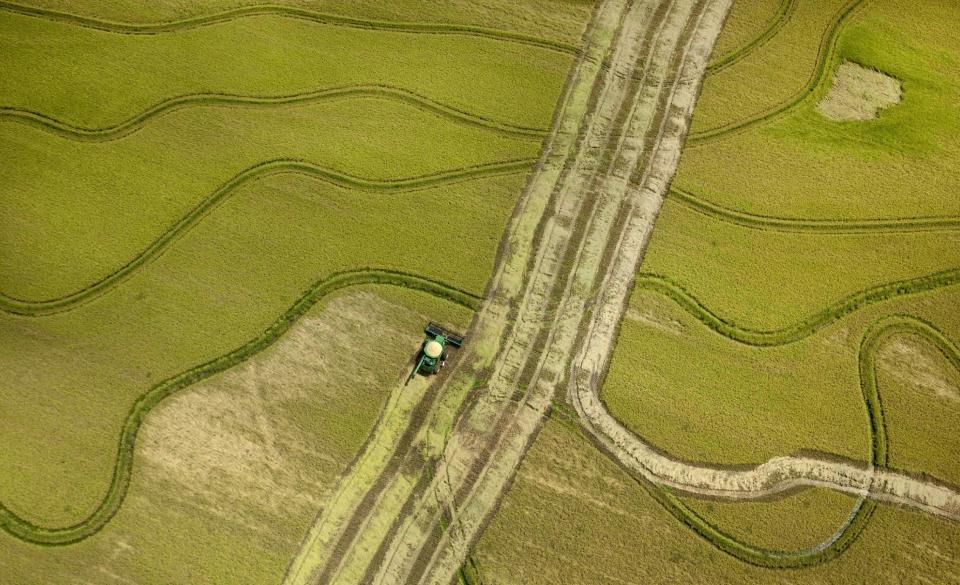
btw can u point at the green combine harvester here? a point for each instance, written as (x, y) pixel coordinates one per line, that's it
(433, 351)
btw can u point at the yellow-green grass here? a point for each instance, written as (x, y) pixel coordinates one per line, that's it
(561, 20)
(770, 75)
(921, 403)
(75, 211)
(230, 473)
(746, 21)
(800, 521)
(767, 279)
(72, 377)
(96, 78)
(899, 165)
(573, 516)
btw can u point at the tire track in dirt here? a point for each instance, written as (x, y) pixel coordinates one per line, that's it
(35, 308)
(137, 122)
(567, 231)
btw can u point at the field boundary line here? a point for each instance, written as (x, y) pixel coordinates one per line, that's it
(874, 336)
(826, 226)
(806, 326)
(357, 91)
(826, 57)
(35, 308)
(27, 531)
(128, 28)
(784, 11)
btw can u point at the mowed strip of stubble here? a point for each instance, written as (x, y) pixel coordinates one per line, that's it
(383, 466)
(490, 439)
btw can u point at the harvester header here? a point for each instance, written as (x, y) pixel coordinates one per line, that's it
(433, 351)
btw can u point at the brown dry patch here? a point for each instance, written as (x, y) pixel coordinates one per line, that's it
(653, 318)
(917, 365)
(267, 438)
(859, 93)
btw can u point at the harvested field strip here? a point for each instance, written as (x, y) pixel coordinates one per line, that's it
(805, 327)
(783, 15)
(289, 12)
(29, 532)
(827, 226)
(136, 122)
(49, 306)
(826, 56)
(873, 338)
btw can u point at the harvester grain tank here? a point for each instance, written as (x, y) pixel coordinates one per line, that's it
(433, 351)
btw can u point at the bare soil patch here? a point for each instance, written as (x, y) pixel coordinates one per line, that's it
(859, 93)
(915, 363)
(267, 438)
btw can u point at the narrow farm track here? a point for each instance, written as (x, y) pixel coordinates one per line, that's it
(135, 123)
(123, 468)
(824, 226)
(612, 151)
(812, 90)
(36, 308)
(287, 12)
(784, 12)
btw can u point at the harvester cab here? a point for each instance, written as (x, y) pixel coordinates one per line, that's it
(433, 351)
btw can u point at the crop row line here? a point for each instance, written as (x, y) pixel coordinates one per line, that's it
(123, 468)
(135, 123)
(782, 16)
(287, 12)
(826, 56)
(831, 226)
(65, 302)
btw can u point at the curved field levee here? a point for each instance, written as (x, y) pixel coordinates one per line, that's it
(125, 186)
(289, 12)
(872, 340)
(811, 90)
(268, 51)
(135, 123)
(113, 499)
(824, 226)
(50, 306)
(804, 327)
(782, 16)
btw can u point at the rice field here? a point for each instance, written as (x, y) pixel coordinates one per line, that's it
(797, 297)
(219, 252)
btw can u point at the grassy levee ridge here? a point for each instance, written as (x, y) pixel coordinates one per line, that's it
(48, 261)
(30, 532)
(566, 486)
(788, 64)
(898, 167)
(175, 219)
(231, 472)
(560, 21)
(285, 52)
(220, 284)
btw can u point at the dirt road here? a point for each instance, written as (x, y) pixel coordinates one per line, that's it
(419, 496)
